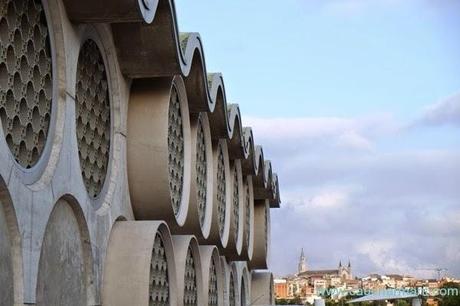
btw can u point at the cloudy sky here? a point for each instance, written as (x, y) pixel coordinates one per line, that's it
(357, 104)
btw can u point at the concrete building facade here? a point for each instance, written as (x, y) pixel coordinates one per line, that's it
(126, 178)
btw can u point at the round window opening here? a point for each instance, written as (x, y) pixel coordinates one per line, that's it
(26, 86)
(93, 117)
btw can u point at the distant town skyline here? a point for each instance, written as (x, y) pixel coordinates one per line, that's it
(357, 104)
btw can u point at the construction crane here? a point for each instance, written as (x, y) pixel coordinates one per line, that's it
(438, 270)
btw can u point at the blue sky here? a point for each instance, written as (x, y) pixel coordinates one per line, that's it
(367, 95)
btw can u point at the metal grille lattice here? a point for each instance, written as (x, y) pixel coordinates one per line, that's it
(247, 232)
(190, 290)
(159, 286)
(175, 151)
(231, 291)
(212, 291)
(25, 79)
(93, 117)
(221, 190)
(201, 171)
(236, 204)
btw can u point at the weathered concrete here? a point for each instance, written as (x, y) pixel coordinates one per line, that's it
(134, 261)
(53, 234)
(262, 288)
(6, 262)
(64, 260)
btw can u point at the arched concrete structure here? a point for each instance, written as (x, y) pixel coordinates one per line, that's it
(49, 217)
(65, 267)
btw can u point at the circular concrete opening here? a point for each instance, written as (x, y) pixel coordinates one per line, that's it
(213, 294)
(26, 86)
(175, 151)
(221, 191)
(201, 171)
(159, 281)
(93, 117)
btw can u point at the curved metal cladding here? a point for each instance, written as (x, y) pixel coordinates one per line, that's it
(198, 221)
(262, 288)
(261, 253)
(159, 150)
(213, 276)
(108, 115)
(140, 267)
(189, 270)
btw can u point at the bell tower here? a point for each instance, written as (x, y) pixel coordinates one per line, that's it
(302, 267)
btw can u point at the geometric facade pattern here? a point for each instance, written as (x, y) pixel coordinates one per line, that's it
(122, 162)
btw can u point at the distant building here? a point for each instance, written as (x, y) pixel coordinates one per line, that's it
(342, 272)
(281, 288)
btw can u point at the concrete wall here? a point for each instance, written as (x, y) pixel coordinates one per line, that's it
(103, 165)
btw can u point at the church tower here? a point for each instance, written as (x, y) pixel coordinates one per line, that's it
(350, 275)
(302, 263)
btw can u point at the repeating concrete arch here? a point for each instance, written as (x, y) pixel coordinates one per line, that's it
(11, 290)
(213, 276)
(262, 288)
(65, 275)
(177, 152)
(220, 221)
(189, 270)
(140, 267)
(261, 252)
(198, 221)
(140, 56)
(159, 150)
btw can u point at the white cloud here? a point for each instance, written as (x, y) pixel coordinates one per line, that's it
(382, 254)
(344, 196)
(443, 112)
(299, 134)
